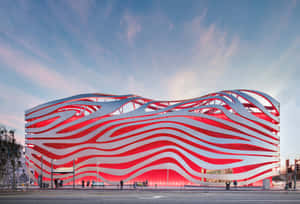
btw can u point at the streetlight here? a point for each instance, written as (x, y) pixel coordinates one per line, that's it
(97, 171)
(52, 173)
(41, 179)
(74, 169)
(168, 175)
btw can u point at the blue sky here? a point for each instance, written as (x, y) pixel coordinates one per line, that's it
(158, 49)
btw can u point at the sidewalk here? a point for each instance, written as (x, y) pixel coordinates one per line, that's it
(151, 188)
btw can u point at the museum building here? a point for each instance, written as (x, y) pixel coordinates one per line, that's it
(231, 135)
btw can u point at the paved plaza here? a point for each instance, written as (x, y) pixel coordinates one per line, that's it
(147, 196)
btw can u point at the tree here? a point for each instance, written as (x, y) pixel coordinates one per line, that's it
(10, 153)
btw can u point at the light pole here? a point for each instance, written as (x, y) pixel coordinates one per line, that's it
(168, 175)
(98, 172)
(295, 174)
(14, 151)
(41, 184)
(51, 174)
(74, 168)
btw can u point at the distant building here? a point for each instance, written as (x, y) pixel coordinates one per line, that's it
(290, 168)
(227, 135)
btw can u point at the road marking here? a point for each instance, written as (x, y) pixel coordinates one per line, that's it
(152, 197)
(158, 196)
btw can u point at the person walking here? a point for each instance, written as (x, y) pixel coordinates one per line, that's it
(55, 183)
(121, 184)
(235, 183)
(227, 185)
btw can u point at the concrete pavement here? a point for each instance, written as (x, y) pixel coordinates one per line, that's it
(142, 196)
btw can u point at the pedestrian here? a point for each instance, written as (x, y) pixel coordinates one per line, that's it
(121, 184)
(227, 185)
(82, 183)
(88, 183)
(55, 183)
(235, 183)
(40, 181)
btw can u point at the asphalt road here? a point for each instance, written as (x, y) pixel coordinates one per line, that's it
(130, 197)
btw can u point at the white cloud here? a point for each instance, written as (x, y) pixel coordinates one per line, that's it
(210, 57)
(13, 103)
(81, 8)
(40, 74)
(289, 119)
(132, 26)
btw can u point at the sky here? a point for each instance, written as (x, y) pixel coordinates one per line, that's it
(156, 49)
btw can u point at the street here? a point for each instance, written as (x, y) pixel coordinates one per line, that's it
(133, 196)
